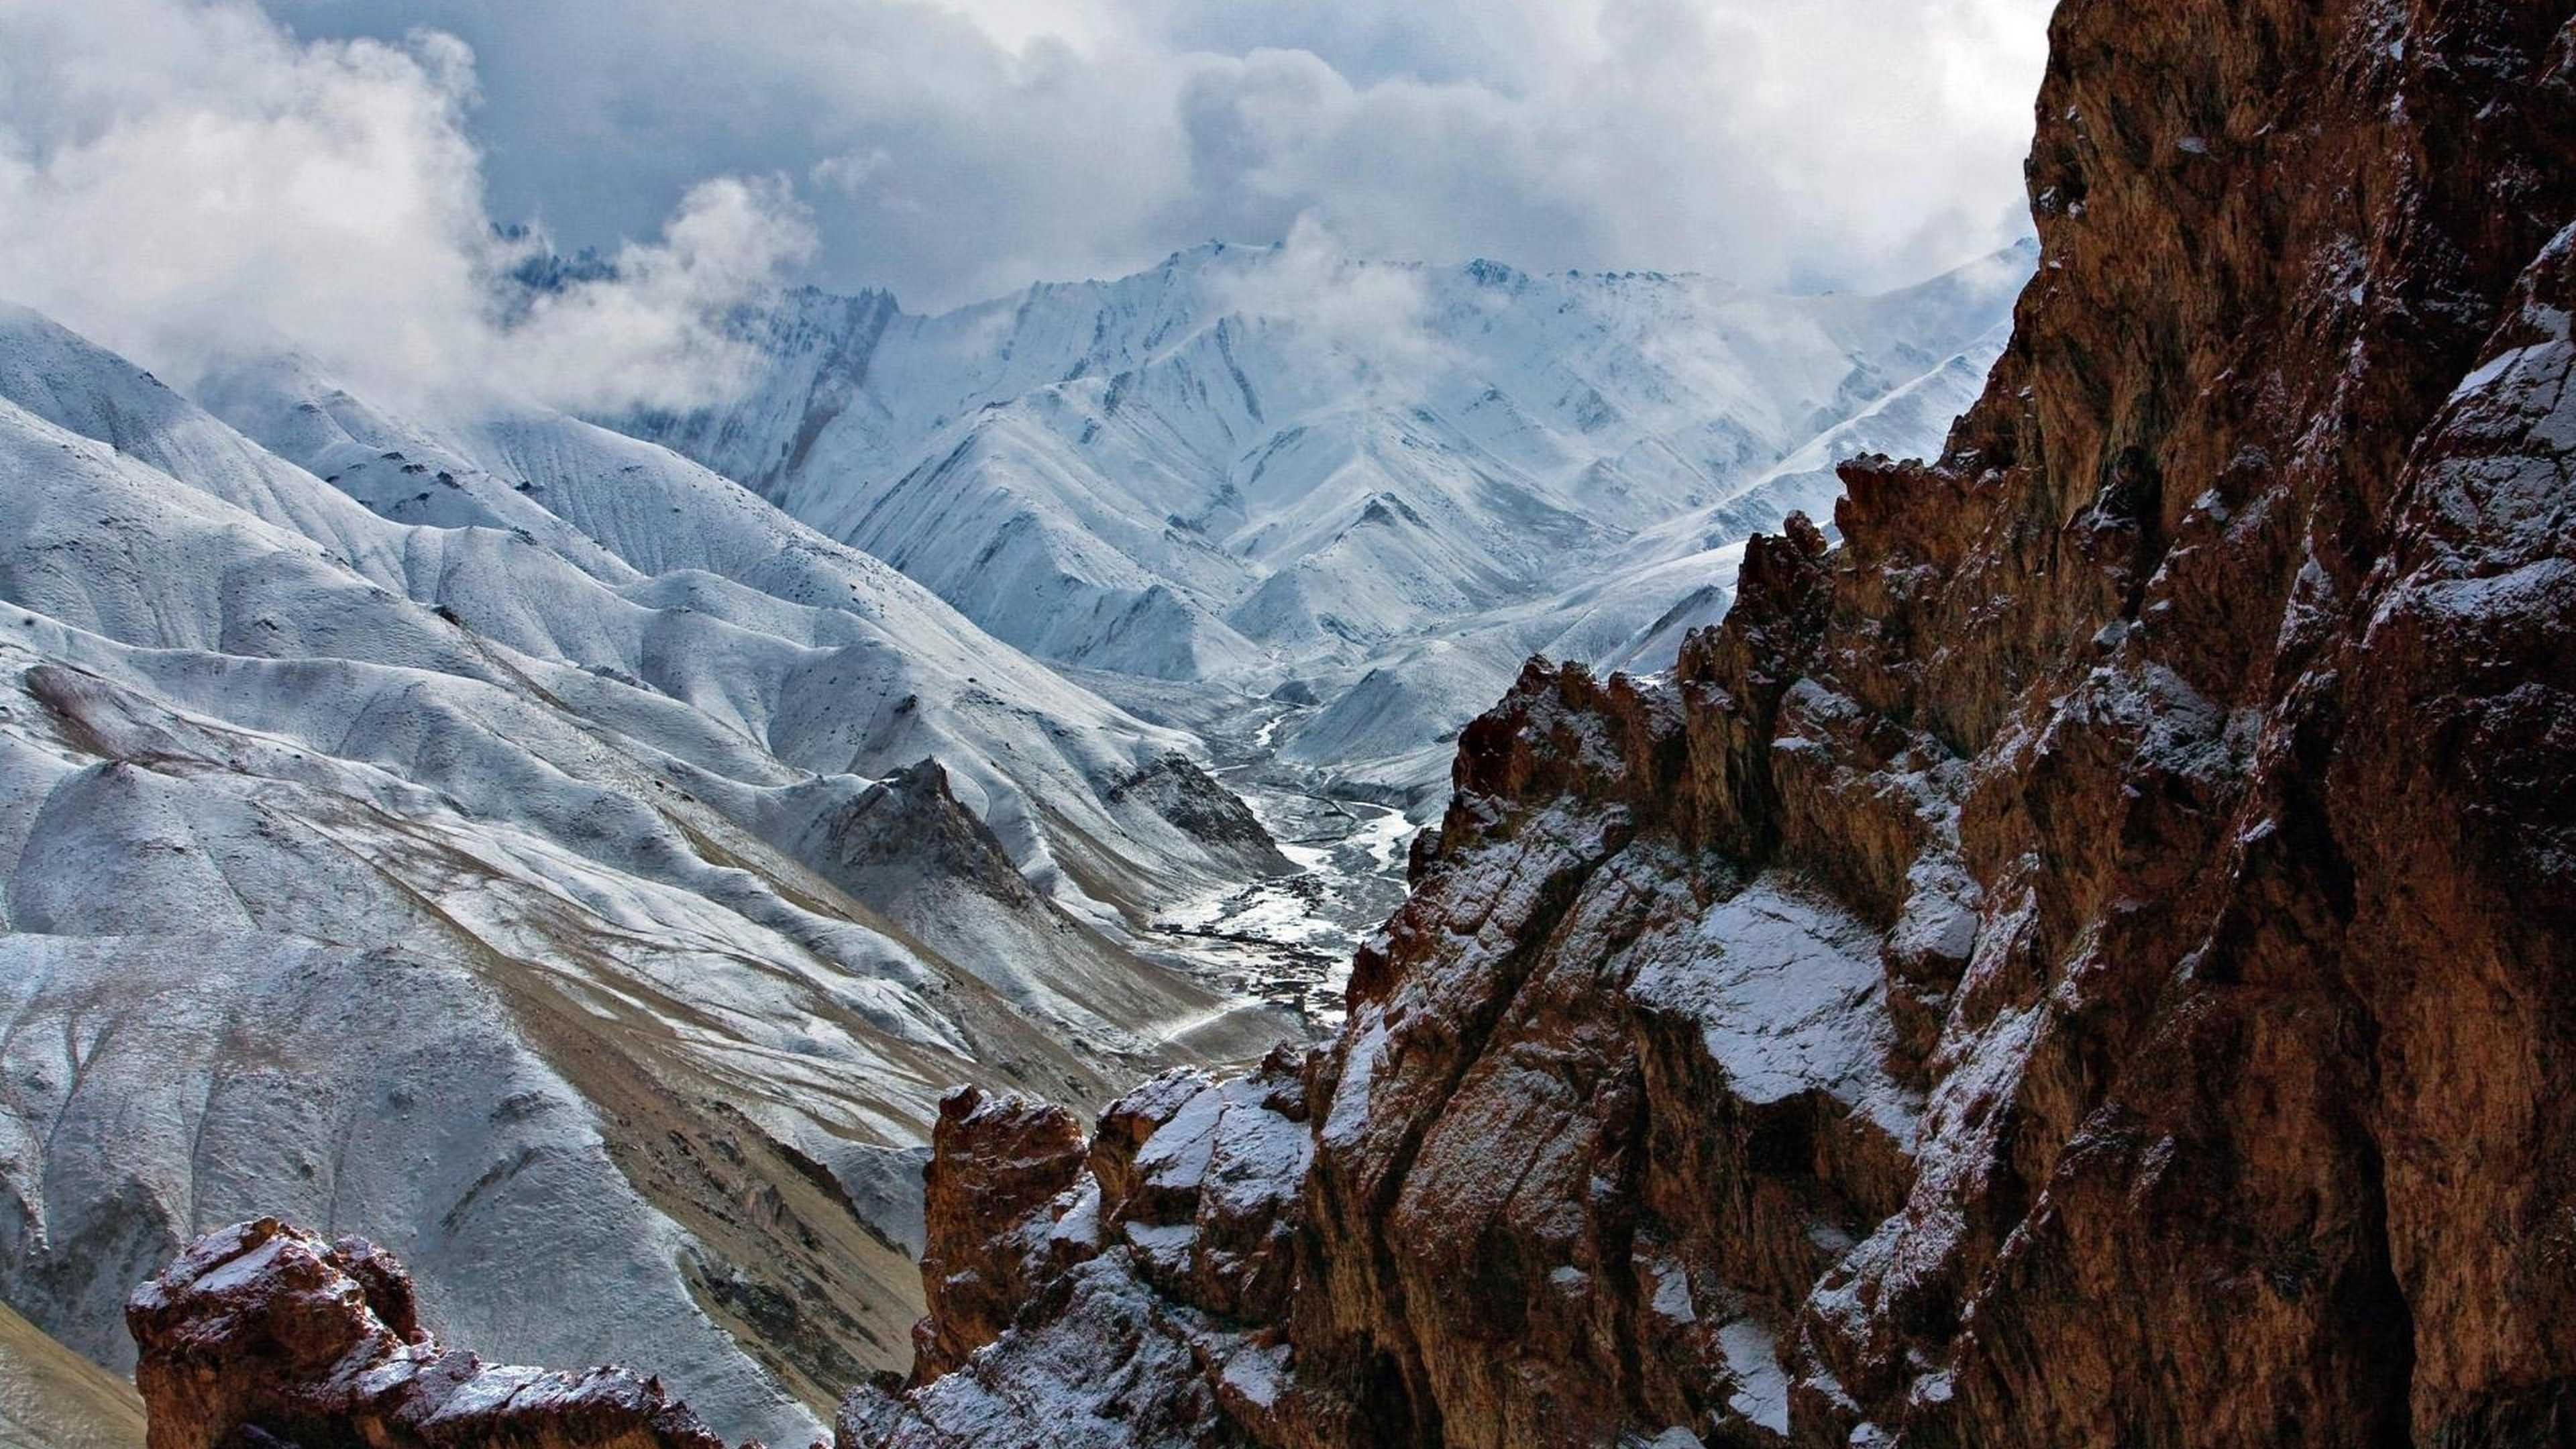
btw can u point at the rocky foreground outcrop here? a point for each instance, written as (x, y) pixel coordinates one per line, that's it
(2089, 960)
(261, 1336)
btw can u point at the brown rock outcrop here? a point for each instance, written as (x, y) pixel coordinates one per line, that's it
(1179, 1222)
(261, 1336)
(995, 1162)
(2089, 960)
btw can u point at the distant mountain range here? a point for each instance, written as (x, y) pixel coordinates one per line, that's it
(1252, 467)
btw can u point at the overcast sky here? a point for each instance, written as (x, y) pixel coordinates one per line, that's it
(172, 169)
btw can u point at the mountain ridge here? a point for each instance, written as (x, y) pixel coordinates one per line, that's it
(468, 883)
(1217, 386)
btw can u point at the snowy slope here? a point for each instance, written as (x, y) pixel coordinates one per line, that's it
(1037, 758)
(1393, 725)
(540, 880)
(1243, 462)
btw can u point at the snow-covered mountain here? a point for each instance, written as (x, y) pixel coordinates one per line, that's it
(1383, 484)
(1395, 723)
(534, 844)
(512, 831)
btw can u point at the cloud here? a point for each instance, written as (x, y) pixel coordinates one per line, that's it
(1835, 142)
(187, 183)
(652, 334)
(956, 149)
(185, 179)
(1371, 319)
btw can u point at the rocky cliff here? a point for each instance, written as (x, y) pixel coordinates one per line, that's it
(2089, 960)
(261, 1336)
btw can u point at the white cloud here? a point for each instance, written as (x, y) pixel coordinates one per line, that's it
(970, 146)
(185, 182)
(1371, 319)
(653, 334)
(185, 177)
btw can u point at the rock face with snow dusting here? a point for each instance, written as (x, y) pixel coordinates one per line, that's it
(993, 1160)
(263, 1337)
(2089, 961)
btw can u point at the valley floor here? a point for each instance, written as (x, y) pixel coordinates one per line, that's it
(1284, 939)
